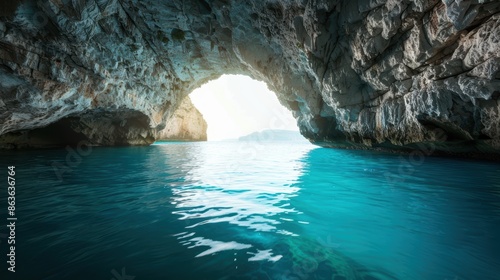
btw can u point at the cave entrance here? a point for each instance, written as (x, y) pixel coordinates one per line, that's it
(236, 105)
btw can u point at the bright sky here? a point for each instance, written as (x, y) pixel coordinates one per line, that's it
(236, 105)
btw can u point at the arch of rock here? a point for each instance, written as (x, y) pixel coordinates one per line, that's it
(359, 73)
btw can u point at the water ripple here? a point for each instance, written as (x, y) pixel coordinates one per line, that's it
(254, 211)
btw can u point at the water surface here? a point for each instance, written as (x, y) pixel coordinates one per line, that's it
(222, 210)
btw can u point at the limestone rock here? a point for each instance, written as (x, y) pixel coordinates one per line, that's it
(392, 74)
(187, 124)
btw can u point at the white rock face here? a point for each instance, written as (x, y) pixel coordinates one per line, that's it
(392, 74)
(187, 124)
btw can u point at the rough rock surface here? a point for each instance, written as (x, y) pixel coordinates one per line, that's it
(187, 124)
(393, 74)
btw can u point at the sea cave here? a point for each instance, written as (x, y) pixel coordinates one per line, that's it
(376, 154)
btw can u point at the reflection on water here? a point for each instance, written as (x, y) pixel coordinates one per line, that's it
(223, 187)
(254, 211)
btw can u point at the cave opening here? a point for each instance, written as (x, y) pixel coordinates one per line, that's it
(236, 105)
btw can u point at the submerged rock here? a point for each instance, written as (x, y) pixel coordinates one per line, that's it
(312, 260)
(356, 74)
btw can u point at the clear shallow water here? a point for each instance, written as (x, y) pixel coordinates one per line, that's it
(252, 211)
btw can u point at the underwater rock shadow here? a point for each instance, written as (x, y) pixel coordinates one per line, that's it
(305, 258)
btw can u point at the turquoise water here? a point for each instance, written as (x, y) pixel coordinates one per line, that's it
(221, 210)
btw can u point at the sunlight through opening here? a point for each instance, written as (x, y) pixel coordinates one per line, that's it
(236, 105)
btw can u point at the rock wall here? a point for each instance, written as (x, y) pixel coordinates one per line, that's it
(187, 124)
(356, 74)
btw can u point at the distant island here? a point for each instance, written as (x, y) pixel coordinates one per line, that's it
(273, 135)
